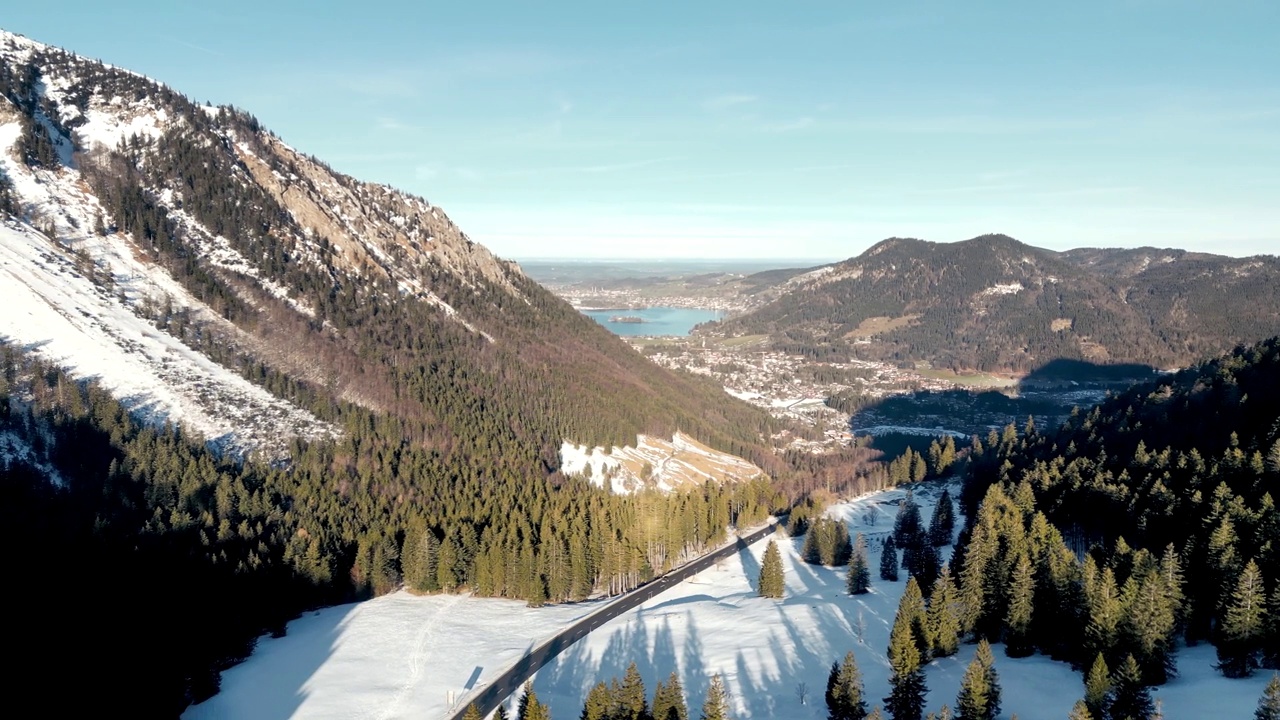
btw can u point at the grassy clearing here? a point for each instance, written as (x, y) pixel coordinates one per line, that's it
(875, 325)
(743, 341)
(981, 380)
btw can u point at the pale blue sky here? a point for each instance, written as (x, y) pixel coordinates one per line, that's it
(742, 129)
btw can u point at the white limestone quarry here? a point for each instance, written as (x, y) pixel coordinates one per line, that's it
(1012, 288)
(666, 465)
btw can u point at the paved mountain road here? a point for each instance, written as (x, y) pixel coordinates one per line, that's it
(511, 680)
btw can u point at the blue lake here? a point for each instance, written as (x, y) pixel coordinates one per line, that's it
(656, 320)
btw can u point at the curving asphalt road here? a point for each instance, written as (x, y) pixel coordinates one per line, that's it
(511, 680)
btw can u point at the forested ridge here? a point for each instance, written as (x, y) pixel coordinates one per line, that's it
(995, 304)
(1140, 525)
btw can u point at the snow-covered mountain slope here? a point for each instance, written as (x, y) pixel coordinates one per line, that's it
(335, 295)
(83, 292)
(52, 308)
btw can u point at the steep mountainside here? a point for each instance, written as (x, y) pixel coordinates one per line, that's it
(236, 384)
(325, 290)
(993, 303)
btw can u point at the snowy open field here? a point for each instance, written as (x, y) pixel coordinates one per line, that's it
(399, 656)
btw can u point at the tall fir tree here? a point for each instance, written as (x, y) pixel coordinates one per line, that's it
(943, 616)
(979, 697)
(716, 706)
(943, 521)
(889, 560)
(988, 661)
(668, 700)
(472, 713)
(1269, 703)
(858, 581)
(845, 692)
(1149, 625)
(1243, 629)
(632, 698)
(1102, 630)
(1080, 711)
(906, 683)
(771, 583)
(973, 701)
(906, 525)
(912, 610)
(1271, 645)
(1130, 698)
(1097, 688)
(599, 704)
(530, 707)
(1017, 626)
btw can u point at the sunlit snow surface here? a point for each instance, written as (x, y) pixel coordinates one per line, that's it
(53, 310)
(399, 656)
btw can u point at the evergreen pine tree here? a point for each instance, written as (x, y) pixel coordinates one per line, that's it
(988, 661)
(632, 699)
(875, 714)
(1017, 635)
(599, 704)
(1149, 624)
(906, 684)
(771, 583)
(1171, 577)
(943, 521)
(446, 576)
(844, 691)
(1269, 703)
(911, 610)
(1271, 645)
(973, 701)
(1097, 689)
(472, 713)
(500, 713)
(716, 706)
(530, 708)
(942, 618)
(889, 560)
(1104, 616)
(858, 581)
(1243, 628)
(1130, 698)
(1080, 711)
(668, 700)
(906, 525)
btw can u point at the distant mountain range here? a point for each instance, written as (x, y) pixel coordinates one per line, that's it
(993, 303)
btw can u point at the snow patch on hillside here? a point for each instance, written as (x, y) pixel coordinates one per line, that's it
(1012, 288)
(14, 449)
(666, 465)
(55, 311)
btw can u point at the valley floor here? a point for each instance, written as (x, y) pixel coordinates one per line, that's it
(399, 656)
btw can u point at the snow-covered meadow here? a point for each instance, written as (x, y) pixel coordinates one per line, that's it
(400, 655)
